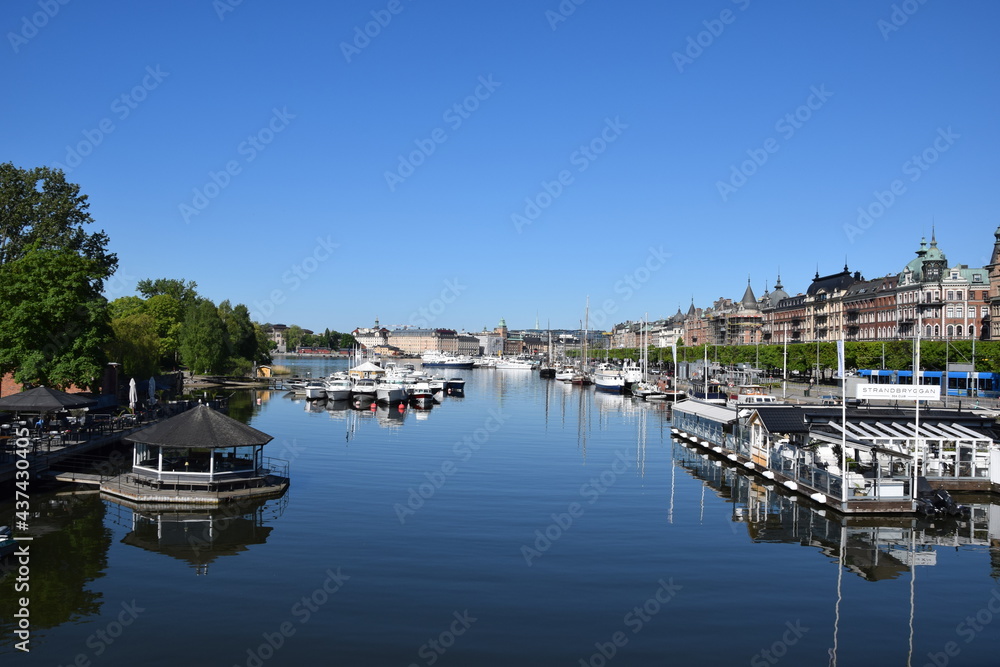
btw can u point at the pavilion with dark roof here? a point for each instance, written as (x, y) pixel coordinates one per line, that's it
(201, 456)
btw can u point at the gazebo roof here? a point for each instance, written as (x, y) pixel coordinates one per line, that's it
(44, 399)
(201, 427)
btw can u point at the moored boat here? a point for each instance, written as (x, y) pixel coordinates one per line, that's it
(7, 543)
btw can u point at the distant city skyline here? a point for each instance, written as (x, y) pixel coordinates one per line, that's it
(331, 162)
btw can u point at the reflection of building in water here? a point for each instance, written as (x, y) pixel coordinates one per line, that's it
(874, 547)
(199, 536)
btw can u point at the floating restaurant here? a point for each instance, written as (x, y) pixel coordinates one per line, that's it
(869, 460)
(199, 457)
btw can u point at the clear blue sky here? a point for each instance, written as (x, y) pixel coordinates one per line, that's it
(309, 129)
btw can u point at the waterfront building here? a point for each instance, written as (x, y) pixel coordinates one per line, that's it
(279, 334)
(372, 337)
(418, 341)
(950, 303)
(993, 274)
(824, 304)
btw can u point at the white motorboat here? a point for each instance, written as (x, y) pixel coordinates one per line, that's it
(420, 394)
(609, 378)
(514, 365)
(365, 387)
(391, 392)
(338, 389)
(315, 390)
(751, 395)
(455, 386)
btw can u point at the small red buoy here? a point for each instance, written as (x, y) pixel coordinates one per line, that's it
(402, 408)
(373, 407)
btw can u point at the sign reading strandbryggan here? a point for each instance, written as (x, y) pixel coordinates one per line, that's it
(902, 392)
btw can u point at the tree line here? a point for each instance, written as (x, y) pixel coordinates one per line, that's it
(56, 326)
(811, 358)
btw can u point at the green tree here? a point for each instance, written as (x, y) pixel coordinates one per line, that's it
(126, 305)
(203, 339)
(135, 344)
(347, 340)
(55, 325)
(186, 293)
(40, 210)
(168, 313)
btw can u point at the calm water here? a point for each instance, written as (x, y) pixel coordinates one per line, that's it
(529, 523)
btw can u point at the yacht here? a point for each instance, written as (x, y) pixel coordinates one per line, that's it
(514, 365)
(609, 378)
(315, 390)
(391, 393)
(338, 389)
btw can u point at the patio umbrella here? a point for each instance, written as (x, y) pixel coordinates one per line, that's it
(152, 391)
(132, 396)
(44, 399)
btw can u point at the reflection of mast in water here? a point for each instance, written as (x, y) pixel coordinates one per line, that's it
(640, 448)
(581, 429)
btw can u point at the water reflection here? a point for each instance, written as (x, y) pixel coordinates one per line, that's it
(69, 550)
(197, 536)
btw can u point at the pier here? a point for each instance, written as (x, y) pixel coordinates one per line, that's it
(803, 449)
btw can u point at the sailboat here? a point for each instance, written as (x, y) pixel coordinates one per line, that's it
(583, 377)
(548, 371)
(644, 388)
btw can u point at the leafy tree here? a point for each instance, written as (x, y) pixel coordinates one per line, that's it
(55, 325)
(347, 340)
(168, 314)
(203, 339)
(135, 344)
(293, 337)
(40, 210)
(186, 293)
(126, 305)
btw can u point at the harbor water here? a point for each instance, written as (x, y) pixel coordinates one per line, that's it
(529, 522)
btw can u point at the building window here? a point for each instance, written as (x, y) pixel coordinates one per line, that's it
(951, 311)
(972, 331)
(985, 311)
(951, 331)
(951, 295)
(977, 277)
(958, 330)
(958, 295)
(937, 329)
(927, 331)
(972, 311)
